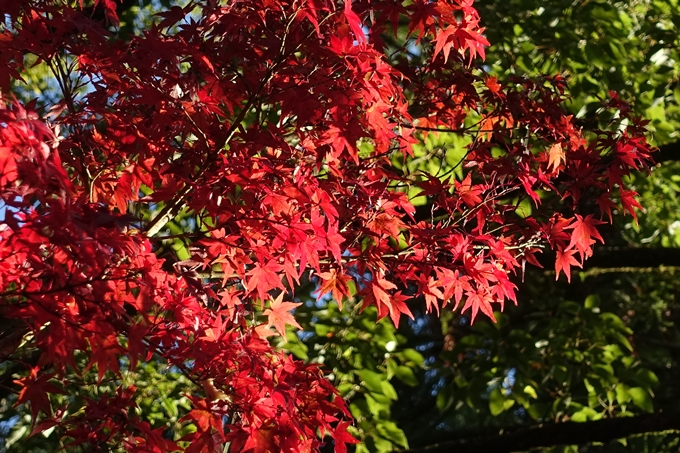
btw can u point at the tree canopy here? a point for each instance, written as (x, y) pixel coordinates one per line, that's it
(195, 182)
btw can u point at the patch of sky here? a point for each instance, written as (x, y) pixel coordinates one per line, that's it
(419, 325)
(304, 335)
(437, 386)
(510, 379)
(425, 346)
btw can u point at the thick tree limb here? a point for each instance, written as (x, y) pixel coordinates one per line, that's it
(667, 152)
(626, 257)
(568, 433)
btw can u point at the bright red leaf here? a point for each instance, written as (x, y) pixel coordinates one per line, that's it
(262, 139)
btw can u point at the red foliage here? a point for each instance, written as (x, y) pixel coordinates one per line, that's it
(250, 116)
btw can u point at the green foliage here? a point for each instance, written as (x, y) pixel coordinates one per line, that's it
(658, 225)
(368, 361)
(562, 361)
(628, 47)
(160, 400)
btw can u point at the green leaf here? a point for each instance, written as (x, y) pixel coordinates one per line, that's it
(538, 410)
(413, 356)
(622, 395)
(358, 408)
(296, 347)
(16, 435)
(444, 399)
(322, 329)
(646, 378)
(388, 390)
(380, 444)
(406, 375)
(641, 399)
(361, 448)
(585, 414)
(170, 406)
(589, 387)
(623, 341)
(592, 301)
(605, 372)
(345, 388)
(371, 380)
(376, 408)
(529, 390)
(496, 402)
(614, 321)
(389, 430)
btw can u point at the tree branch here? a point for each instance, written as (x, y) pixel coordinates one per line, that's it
(625, 257)
(667, 152)
(551, 434)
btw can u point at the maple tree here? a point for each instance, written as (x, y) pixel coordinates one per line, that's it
(265, 143)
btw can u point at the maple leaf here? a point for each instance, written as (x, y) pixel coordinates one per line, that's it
(584, 235)
(354, 23)
(386, 224)
(605, 203)
(109, 10)
(469, 193)
(279, 314)
(493, 85)
(556, 157)
(395, 303)
(429, 288)
(260, 440)
(262, 331)
(272, 198)
(264, 278)
(341, 437)
(478, 300)
(8, 166)
(564, 261)
(336, 283)
(629, 202)
(34, 389)
(445, 41)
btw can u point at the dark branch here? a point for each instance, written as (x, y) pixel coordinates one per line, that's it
(625, 257)
(567, 433)
(667, 152)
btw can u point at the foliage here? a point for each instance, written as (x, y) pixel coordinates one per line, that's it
(163, 210)
(628, 47)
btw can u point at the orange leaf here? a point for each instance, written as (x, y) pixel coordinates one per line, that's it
(279, 315)
(556, 157)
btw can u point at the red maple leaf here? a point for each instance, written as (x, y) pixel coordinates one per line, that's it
(34, 389)
(469, 193)
(354, 22)
(264, 278)
(279, 314)
(341, 437)
(392, 304)
(629, 202)
(479, 300)
(584, 235)
(565, 259)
